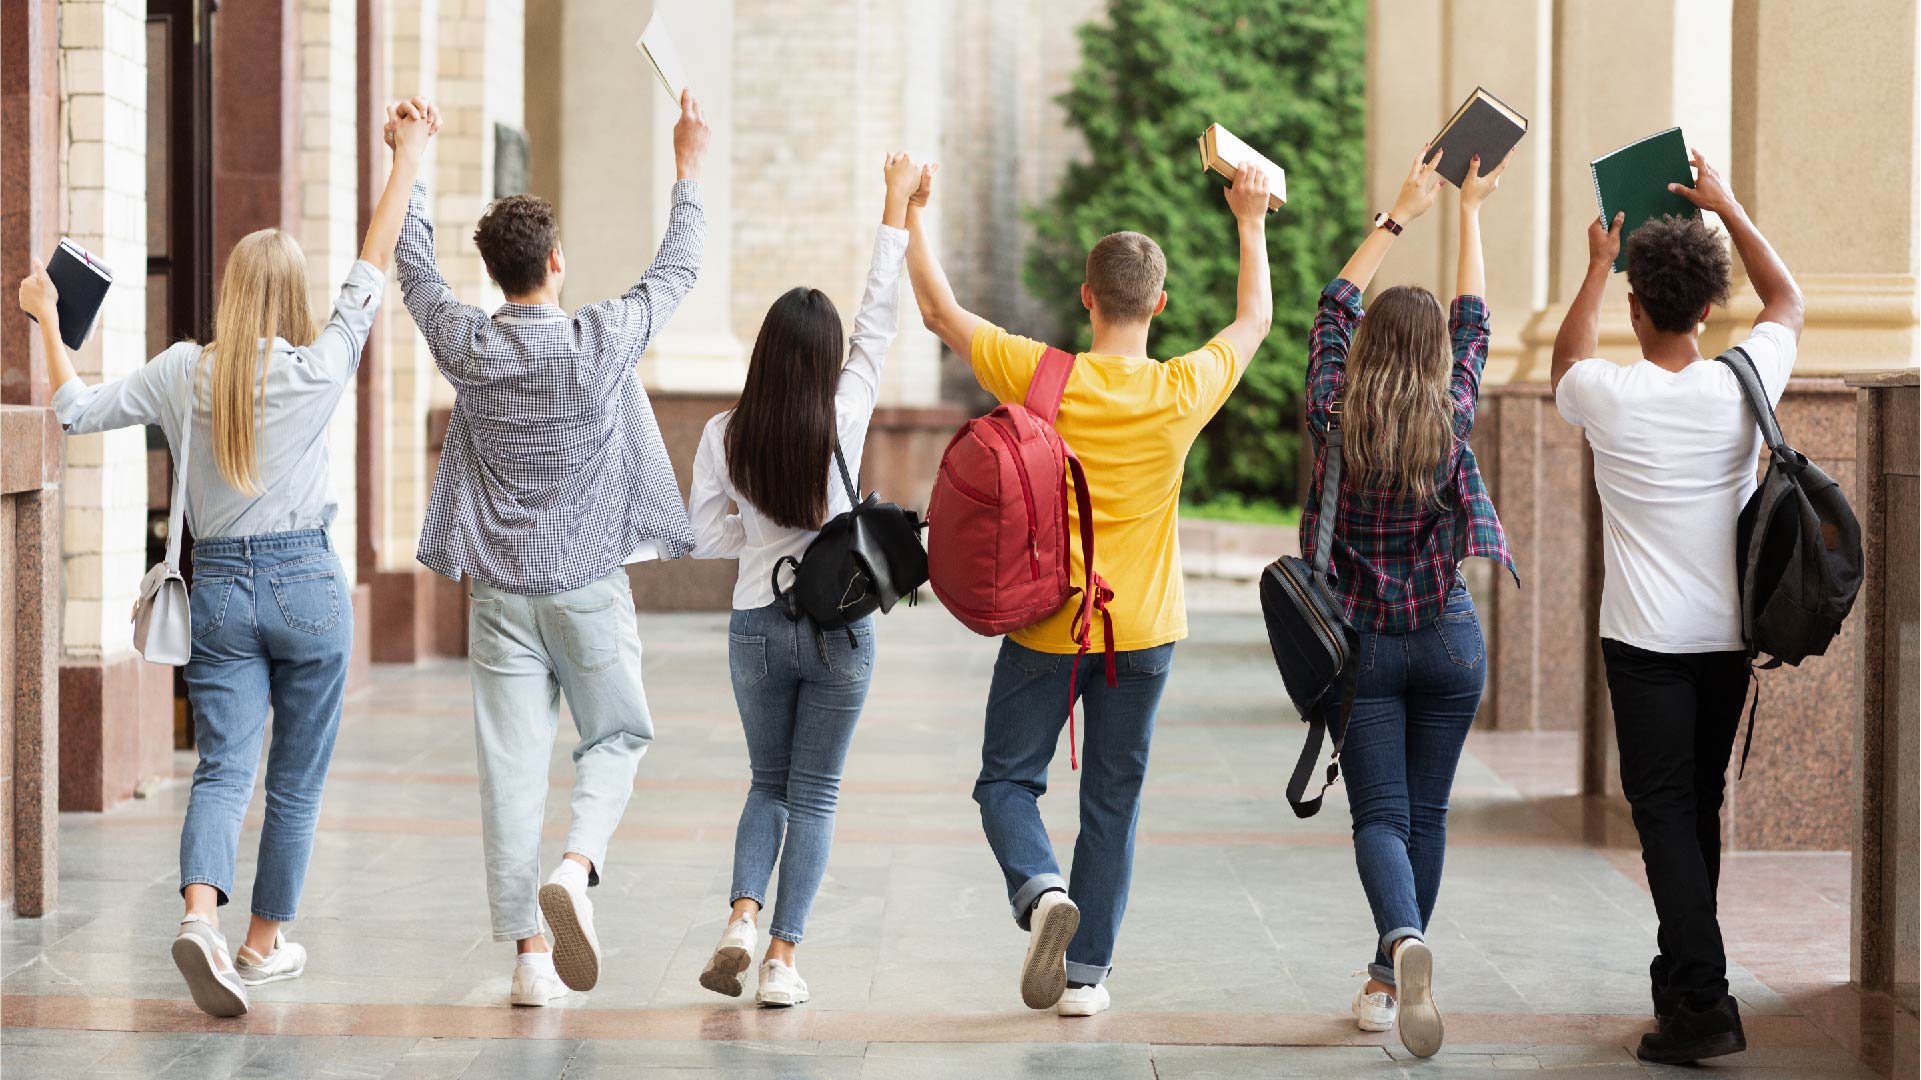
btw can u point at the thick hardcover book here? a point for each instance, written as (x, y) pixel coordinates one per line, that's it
(83, 283)
(1484, 125)
(1223, 153)
(658, 46)
(1634, 181)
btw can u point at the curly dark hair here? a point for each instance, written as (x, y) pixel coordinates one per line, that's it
(1676, 267)
(514, 236)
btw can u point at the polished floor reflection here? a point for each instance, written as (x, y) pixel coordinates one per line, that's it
(1235, 960)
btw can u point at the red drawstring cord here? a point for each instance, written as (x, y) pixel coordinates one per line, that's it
(1096, 599)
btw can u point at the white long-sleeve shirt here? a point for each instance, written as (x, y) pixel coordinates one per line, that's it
(745, 533)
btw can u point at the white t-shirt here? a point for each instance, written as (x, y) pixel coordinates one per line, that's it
(1675, 459)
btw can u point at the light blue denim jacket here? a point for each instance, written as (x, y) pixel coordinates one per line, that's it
(303, 385)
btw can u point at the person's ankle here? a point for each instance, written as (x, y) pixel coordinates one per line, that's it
(1376, 986)
(534, 944)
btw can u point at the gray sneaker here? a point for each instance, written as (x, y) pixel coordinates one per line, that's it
(287, 960)
(200, 952)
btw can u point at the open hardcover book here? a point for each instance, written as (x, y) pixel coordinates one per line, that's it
(1223, 153)
(658, 47)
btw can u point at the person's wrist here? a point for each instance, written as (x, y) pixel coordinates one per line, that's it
(687, 168)
(1404, 215)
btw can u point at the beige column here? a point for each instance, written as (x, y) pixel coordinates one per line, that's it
(1825, 160)
(616, 123)
(413, 50)
(1407, 101)
(328, 217)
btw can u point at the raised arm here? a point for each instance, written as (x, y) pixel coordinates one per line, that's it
(1580, 333)
(409, 125)
(40, 299)
(877, 322)
(1418, 192)
(1254, 292)
(939, 311)
(446, 323)
(1780, 297)
(1470, 274)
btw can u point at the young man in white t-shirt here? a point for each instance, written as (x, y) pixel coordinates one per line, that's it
(1675, 459)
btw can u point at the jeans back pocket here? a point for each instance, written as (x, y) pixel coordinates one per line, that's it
(309, 596)
(851, 659)
(207, 603)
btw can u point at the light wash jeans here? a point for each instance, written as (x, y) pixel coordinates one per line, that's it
(800, 694)
(273, 626)
(1026, 709)
(1416, 699)
(527, 651)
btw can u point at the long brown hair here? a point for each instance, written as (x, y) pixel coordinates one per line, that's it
(1397, 414)
(780, 442)
(263, 295)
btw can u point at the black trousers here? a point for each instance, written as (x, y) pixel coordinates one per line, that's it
(1675, 718)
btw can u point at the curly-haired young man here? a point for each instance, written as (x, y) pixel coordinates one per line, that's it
(1675, 453)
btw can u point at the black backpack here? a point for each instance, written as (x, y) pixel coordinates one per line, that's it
(866, 558)
(1313, 643)
(1797, 547)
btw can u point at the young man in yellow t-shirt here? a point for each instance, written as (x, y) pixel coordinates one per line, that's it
(1131, 420)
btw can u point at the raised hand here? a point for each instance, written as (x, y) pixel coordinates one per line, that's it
(1604, 241)
(903, 175)
(410, 123)
(690, 137)
(38, 296)
(1710, 192)
(1476, 188)
(1419, 190)
(1247, 195)
(926, 189)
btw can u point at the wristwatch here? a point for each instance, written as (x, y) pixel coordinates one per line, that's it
(1382, 221)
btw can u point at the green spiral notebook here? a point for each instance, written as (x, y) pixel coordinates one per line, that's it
(1634, 180)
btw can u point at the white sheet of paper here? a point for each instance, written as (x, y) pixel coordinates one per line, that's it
(658, 46)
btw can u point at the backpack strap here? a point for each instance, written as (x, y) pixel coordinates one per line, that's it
(1331, 473)
(1049, 384)
(1756, 395)
(1094, 598)
(846, 478)
(1327, 714)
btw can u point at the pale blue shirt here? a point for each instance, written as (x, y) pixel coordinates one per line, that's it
(303, 385)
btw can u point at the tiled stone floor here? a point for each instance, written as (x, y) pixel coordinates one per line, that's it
(1235, 959)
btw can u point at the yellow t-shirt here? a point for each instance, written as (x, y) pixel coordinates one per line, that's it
(1131, 421)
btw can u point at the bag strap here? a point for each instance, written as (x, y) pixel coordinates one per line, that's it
(1094, 598)
(1330, 492)
(1749, 378)
(1050, 384)
(1317, 726)
(177, 510)
(846, 478)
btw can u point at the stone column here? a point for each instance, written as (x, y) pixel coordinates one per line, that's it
(1407, 101)
(30, 181)
(116, 723)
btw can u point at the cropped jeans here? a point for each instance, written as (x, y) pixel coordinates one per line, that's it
(1416, 699)
(800, 692)
(273, 628)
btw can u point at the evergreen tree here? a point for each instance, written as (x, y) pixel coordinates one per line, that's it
(1287, 76)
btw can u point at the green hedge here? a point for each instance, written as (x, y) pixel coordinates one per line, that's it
(1288, 77)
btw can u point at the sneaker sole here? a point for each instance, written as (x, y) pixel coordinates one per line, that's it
(725, 969)
(524, 1002)
(576, 960)
(282, 977)
(214, 996)
(1419, 1018)
(1044, 975)
(1079, 1010)
(1713, 1046)
(780, 1001)
(1373, 1025)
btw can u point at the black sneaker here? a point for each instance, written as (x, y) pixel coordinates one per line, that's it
(1693, 1035)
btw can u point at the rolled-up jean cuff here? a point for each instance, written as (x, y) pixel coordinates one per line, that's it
(273, 916)
(1089, 974)
(1385, 971)
(744, 894)
(216, 886)
(1381, 973)
(516, 935)
(1024, 897)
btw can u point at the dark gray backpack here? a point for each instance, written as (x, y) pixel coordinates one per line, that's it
(1798, 546)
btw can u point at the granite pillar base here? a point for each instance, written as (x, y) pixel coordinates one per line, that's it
(116, 728)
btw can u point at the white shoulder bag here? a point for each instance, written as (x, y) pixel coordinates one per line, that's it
(162, 619)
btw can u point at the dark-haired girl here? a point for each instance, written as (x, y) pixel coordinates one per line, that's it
(799, 692)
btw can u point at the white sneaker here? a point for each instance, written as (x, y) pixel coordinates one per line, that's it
(1373, 1012)
(1420, 1020)
(536, 984)
(570, 915)
(200, 952)
(780, 986)
(1083, 1000)
(732, 957)
(1050, 928)
(287, 961)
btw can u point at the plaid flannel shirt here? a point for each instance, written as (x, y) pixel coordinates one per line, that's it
(1395, 558)
(554, 473)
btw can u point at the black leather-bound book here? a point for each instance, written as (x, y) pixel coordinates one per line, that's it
(83, 284)
(1484, 125)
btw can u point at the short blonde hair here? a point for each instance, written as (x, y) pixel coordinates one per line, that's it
(1126, 272)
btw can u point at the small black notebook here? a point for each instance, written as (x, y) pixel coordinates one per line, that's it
(83, 283)
(1484, 125)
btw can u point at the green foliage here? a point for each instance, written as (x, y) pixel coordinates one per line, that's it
(1233, 507)
(1288, 77)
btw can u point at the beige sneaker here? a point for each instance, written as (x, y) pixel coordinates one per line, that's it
(780, 986)
(570, 916)
(1050, 928)
(287, 961)
(732, 957)
(536, 985)
(200, 952)
(1420, 1021)
(1083, 1000)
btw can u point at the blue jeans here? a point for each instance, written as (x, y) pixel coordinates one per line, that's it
(1026, 708)
(800, 692)
(1417, 697)
(273, 626)
(525, 653)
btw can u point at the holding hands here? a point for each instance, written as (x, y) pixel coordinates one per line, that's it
(410, 124)
(905, 181)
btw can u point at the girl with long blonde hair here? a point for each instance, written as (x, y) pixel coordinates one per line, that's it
(247, 416)
(1401, 383)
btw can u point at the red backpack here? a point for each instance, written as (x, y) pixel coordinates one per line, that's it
(997, 531)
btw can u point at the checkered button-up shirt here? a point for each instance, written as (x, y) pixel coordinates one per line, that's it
(1396, 558)
(554, 473)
